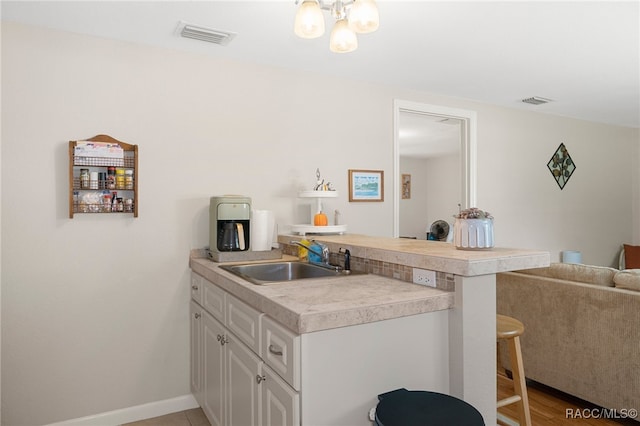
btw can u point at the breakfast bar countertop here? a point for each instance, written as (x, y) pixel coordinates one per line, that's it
(432, 255)
(305, 306)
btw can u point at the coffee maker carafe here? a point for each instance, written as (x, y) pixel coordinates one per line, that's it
(229, 227)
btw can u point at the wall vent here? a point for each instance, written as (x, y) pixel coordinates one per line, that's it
(536, 100)
(210, 35)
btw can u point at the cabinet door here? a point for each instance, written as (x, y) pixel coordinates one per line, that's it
(195, 312)
(244, 374)
(197, 287)
(213, 369)
(280, 403)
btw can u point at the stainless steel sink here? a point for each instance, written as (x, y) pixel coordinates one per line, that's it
(263, 273)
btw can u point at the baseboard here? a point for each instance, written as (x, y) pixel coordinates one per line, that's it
(132, 414)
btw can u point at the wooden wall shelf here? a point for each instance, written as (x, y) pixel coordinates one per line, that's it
(109, 193)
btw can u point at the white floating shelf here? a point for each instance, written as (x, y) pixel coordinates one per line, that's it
(311, 229)
(318, 194)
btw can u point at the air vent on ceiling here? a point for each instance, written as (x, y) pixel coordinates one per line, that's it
(209, 35)
(536, 100)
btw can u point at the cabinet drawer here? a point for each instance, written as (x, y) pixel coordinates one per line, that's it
(281, 351)
(197, 286)
(244, 321)
(213, 300)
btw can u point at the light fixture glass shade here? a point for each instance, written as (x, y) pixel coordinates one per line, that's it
(364, 17)
(343, 39)
(309, 21)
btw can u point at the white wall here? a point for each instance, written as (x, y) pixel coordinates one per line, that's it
(444, 185)
(593, 213)
(636, 193)
(413, 211)
(94, 309)
(435, 193)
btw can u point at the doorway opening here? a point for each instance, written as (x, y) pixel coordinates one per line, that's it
(414, 116)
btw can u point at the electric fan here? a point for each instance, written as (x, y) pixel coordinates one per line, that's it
(439, 230)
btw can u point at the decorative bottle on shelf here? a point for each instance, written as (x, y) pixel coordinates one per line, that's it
(84, 178)
(119, 178)
(111, 178)
(128, 179)
(93, 180)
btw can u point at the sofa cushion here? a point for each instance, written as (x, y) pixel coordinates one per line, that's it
(631, 256)
(588, 274)
(628, 279)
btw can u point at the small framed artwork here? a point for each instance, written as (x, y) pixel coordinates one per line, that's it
(366, 185)
(406, 186)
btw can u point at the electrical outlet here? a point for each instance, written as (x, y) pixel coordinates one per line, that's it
(424, 277)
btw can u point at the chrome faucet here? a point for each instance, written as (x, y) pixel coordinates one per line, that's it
(324, 255)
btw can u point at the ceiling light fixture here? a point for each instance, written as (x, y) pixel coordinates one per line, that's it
(351, 16)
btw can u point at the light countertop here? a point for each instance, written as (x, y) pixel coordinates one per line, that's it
(305, 306)
(432, 255)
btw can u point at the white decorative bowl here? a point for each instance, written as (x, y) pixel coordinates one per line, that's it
(473, 234)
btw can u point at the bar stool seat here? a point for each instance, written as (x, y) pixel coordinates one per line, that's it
(510, 329)
(402, 407)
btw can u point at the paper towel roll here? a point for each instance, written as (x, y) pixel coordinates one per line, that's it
(262, 227)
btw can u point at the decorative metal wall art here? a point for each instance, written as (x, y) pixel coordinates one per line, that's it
(561, 166)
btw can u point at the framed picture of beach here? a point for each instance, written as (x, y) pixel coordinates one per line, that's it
(366, 185)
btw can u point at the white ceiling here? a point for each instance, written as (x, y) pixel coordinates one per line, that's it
(582, 55)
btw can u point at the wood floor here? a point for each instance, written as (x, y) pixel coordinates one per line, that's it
(549, 407)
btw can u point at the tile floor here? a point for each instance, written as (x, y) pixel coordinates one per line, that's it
(193, 417)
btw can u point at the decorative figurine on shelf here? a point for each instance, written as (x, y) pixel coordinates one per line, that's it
(320, 219)
(320, 185)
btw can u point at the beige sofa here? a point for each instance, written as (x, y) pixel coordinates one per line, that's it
(582, 330)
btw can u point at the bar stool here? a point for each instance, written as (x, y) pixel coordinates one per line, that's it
(402, 407)
(510, 329)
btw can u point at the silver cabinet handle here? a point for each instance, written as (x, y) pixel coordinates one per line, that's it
(275, 350)
(260, 378)
(195, 287)
(197, 315)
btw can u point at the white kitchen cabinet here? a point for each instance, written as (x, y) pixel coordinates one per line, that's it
(281, 351)
(228, 376)
(244, 384)
(329, 377)
(195, 312)
(213, 371)
(244, 322)
(197, 288)
(280, 403)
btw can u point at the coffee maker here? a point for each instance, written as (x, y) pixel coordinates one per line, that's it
(229, 227)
